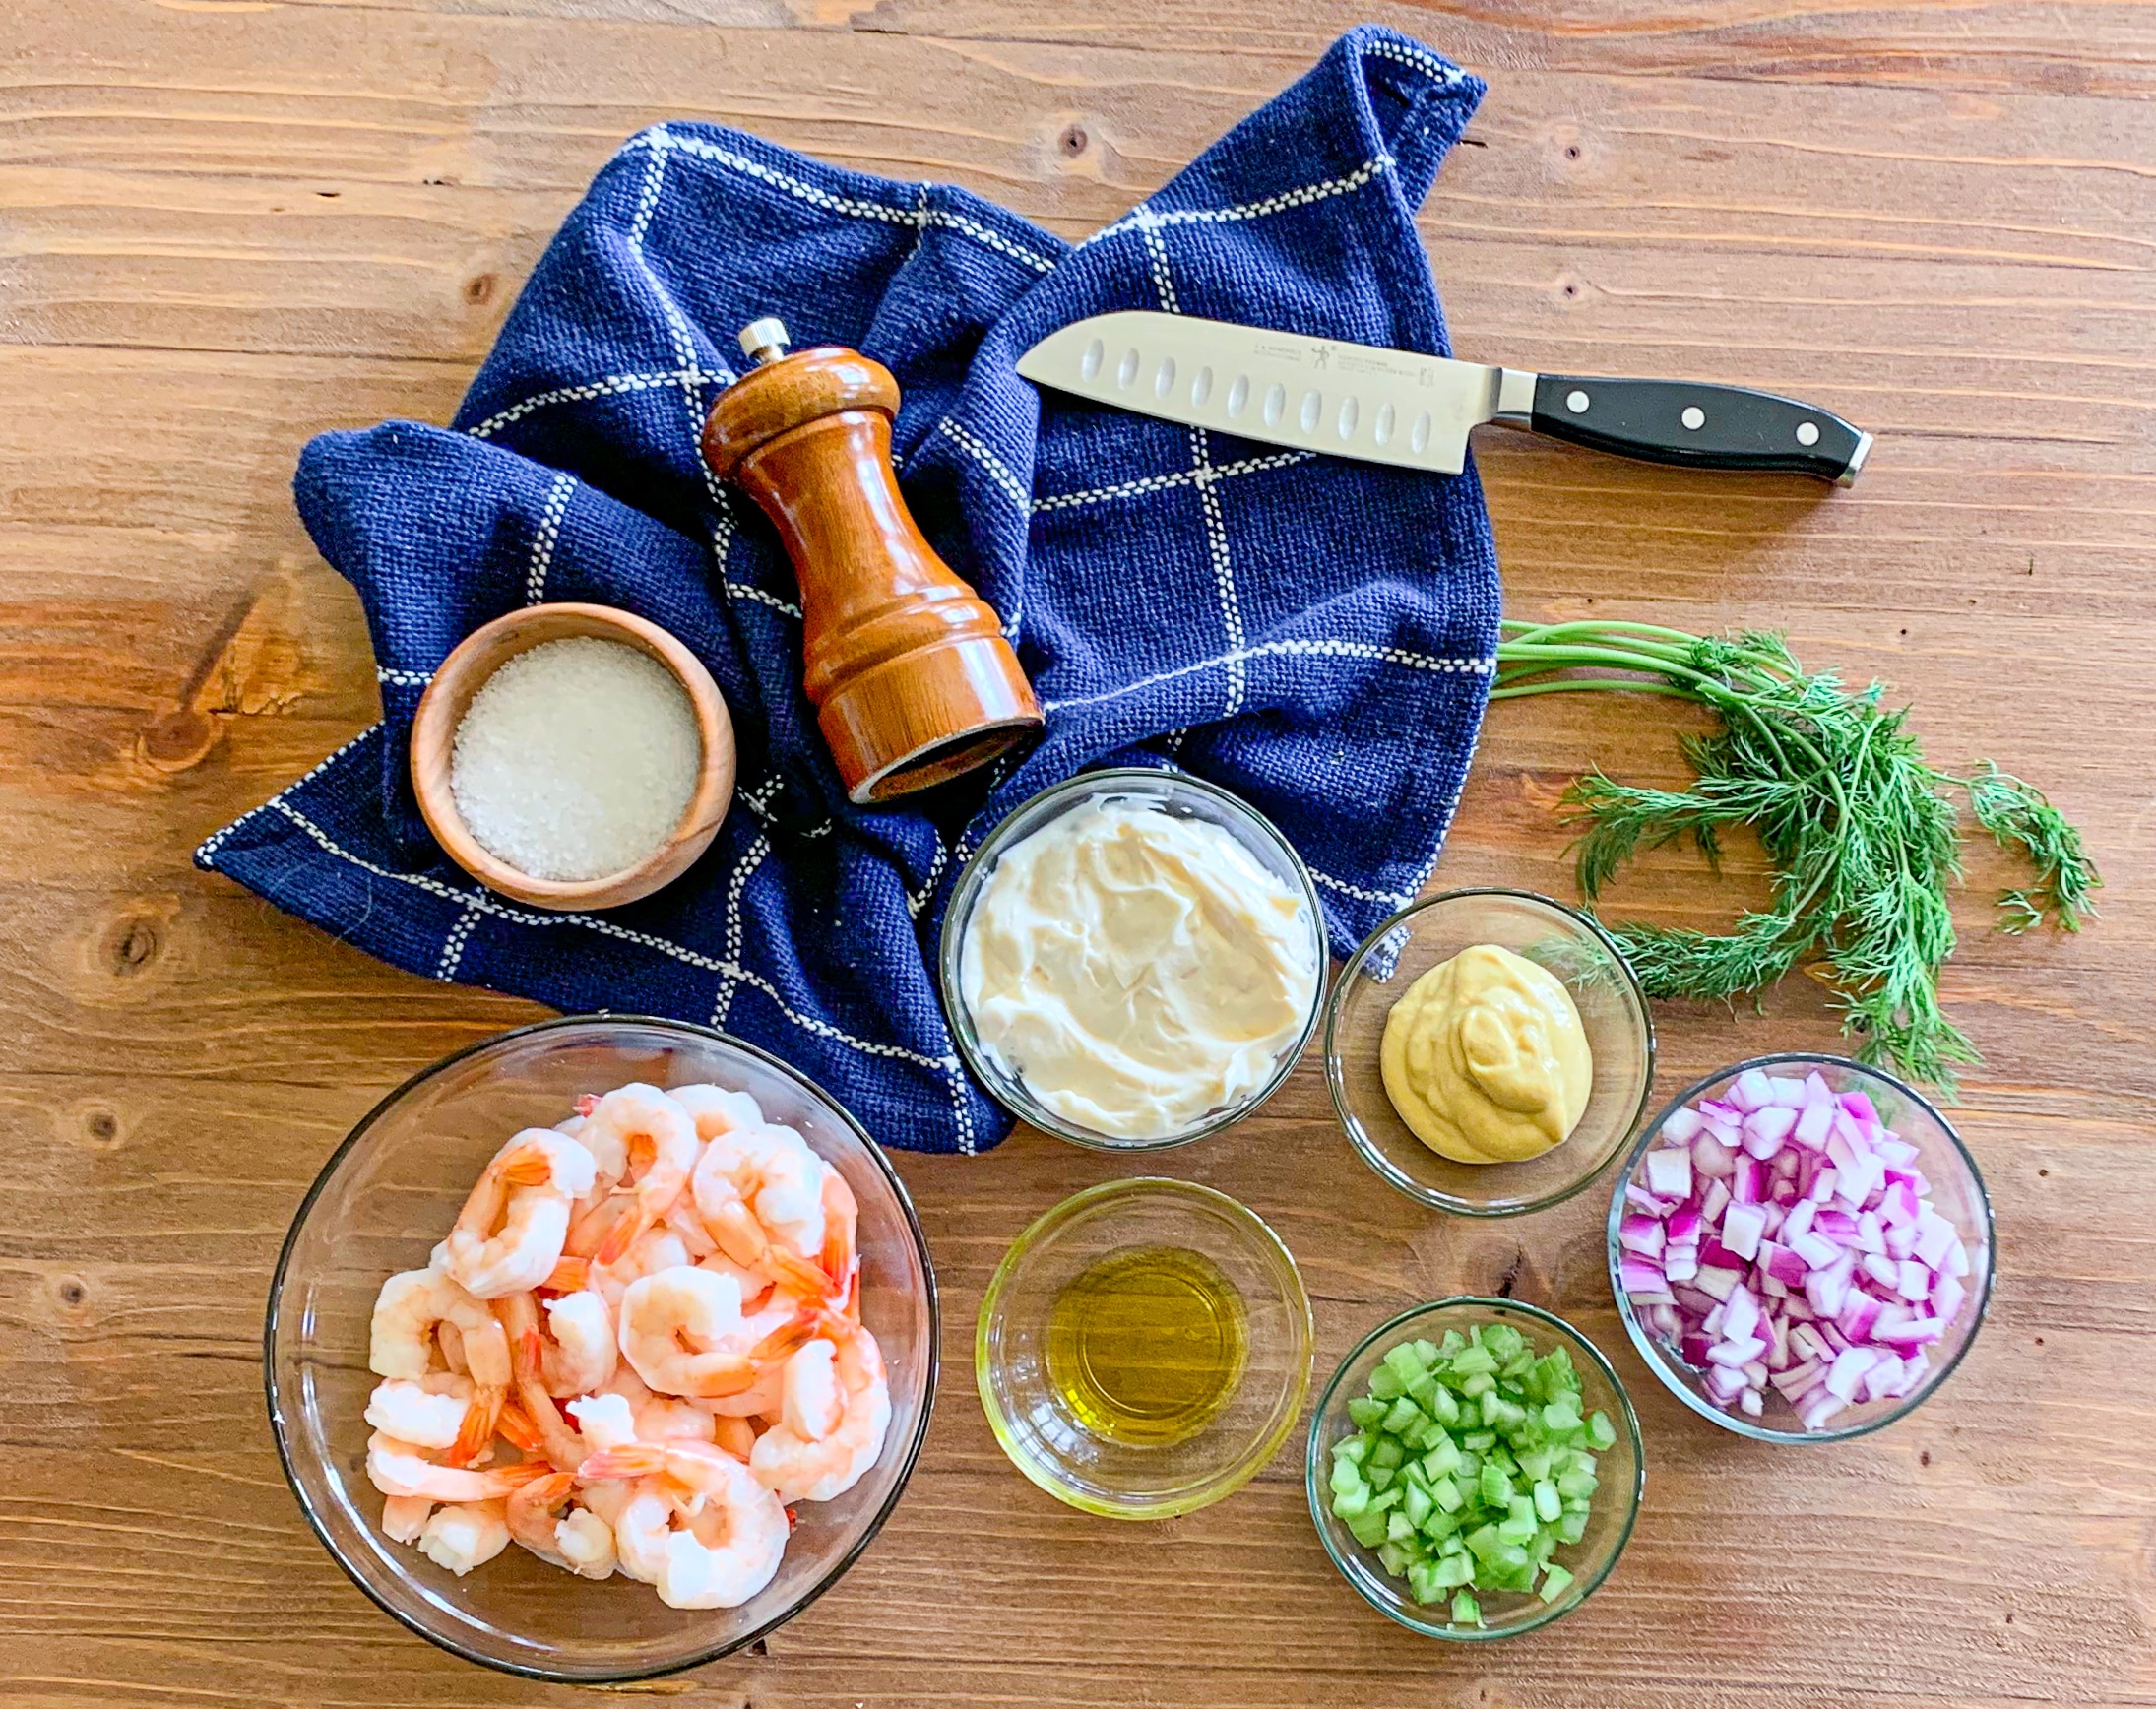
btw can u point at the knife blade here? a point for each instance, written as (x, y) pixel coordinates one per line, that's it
(1412, 411)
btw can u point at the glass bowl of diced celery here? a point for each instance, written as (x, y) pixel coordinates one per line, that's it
(1474, 1469)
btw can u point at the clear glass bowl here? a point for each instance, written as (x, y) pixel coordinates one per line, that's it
(1610, 1008)
(1186, 797)
(1622, 1468)
(1957, 1195)
(392, 1189)
(1037, 1427)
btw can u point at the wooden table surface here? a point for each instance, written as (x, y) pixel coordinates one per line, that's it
(228, 225)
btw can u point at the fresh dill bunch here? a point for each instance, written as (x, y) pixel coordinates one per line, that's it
(1863, 834)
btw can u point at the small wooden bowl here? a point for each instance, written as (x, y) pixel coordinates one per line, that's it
(461, 676)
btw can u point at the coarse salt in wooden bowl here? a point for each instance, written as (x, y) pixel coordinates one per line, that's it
(469, 668)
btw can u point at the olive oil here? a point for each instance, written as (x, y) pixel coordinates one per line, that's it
(1148, 1345)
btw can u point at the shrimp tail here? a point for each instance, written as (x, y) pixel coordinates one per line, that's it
(586, 1103)
(480, 1416)
(527, 1167)
(516, 1427)
(637, 1460)
(569, 1276)
(624, 1234)
(738, 1436)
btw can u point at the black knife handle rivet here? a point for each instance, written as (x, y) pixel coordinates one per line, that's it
(1698, 426)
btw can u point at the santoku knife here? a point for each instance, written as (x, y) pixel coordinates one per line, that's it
(1386, 406)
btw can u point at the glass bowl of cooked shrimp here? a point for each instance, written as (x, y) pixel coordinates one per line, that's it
(600, 1349)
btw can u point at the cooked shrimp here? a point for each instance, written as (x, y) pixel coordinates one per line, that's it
(593, 1220)
(577, 1540)
(412, 1305)
(511, 1228)
(685, 1226)
(604, 1420)
(716, 1110)
(733, 1531)
(404, 1517)
(578, 1351)
(845, 1394)
(738, 1436)
(465, 1535)
(400, 1469)
(655, 1250)
(427, 1413)
(564, 1448)
(759, 1191)
(684, 1333)
(660, 1139)
(655, 1418)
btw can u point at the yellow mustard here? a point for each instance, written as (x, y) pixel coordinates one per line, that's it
(1486, 1060)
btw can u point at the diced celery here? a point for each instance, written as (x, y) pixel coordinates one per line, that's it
(1388, 1452)
(1601, 1432)
(1383, 1500)
(1553, 1580)
(1423, 1391)
(1466, 1611)
(1423, 1584)
(1350, 1503)
(1535, 1463)
(1572, 1527)
(1478, 1382)
(1481, 1442)
(1365, 1412)
(1453, 1569)
(1399, 1415)
(1401, 1361)
(1495, 1488)
(1575, 1485)
(1473, 1362)
(1384, 1386)
(1346, 1476)
(1445, 1408)
(1486, 1543)
(1397, 1527)
(1560, 1416)
(1547, 1504)
(1521, 1507)
(1392, 1557)
(1426, 1351)
(1517, 1532)
(1446, 1495)
(1439, 1525)
(1418, 1506)
(1451, 1344)
(1367, 1529)
(1443, 1457)
(1381, 1477)
(1352, 1449)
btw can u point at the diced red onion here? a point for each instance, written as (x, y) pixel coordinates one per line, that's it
(1670, 1174)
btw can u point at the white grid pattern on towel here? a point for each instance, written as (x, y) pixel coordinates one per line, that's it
(1317, 649)
(1162, 483)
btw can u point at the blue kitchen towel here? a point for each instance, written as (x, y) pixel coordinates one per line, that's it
(1314, 634)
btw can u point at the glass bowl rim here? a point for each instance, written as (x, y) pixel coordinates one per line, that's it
(1658, 1361)
(1368, 1149)
(1314, 1467)
(1247, 1465)
(275, 1311)
(1008, 1089)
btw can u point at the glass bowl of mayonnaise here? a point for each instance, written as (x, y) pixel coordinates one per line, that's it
(1489, 1051)
(1133, 960)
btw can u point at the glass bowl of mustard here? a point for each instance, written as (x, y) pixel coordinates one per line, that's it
(1133, 959)
(1144, 1349)
(1489, 1051)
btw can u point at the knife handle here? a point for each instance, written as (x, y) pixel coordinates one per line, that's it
(1698, 426)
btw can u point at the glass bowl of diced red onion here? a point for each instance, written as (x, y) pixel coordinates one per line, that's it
(1800, 1247)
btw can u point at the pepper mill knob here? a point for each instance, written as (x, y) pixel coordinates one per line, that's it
(912, 678)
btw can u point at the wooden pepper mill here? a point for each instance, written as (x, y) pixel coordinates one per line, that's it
(912, 678)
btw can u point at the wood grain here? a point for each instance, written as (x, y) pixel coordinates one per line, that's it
(226, 224)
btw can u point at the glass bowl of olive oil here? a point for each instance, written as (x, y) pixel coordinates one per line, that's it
(1144, 1349)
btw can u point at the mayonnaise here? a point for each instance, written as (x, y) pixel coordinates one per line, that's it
(1136, 970)
(1484, 1057)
